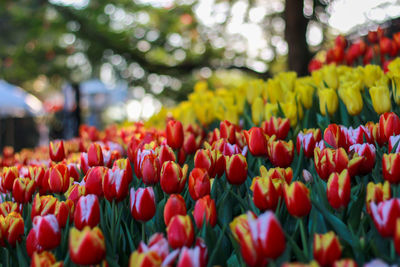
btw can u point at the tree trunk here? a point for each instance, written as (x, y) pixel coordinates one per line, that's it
(295, 35)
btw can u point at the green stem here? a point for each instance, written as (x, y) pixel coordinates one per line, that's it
(217, 245)
(143, 232)
(392, 251)
(303, 237)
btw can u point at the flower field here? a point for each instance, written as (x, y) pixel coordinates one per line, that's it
(289, 171)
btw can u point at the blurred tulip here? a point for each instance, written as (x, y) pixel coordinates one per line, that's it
(385, 215)
(338, 189)
(174, 133)
(381, 102)
(56, 150)
(94, 180)
(236, 169)
(95, 155)
(145, 259)
(199, 183)
(175, 205)
(256, 141)
(376, 193)
(335, 135)
(265, 196)
(205, 209)
(74, 192)
(115, 185)
(180, 231)
(205, 159)
(389, 125)
(46, 231)
(142, 204)
(227, 131)
(307, 141)
(280, 153)
(87, 212)
(328, 101)
(396, 238)
(165, 153)
(86, 247)
(367, 152)
(345, 263)
(297, 199)
(394, 142)
(327, 248)
(59, 179)
(173, 177)
(391, 168)
(23, 190)
(276, 126)
(11, 228)
(45, 259)
(9, 174)
(330, 160)
(8, 206)
(150, 169)
(43, 205)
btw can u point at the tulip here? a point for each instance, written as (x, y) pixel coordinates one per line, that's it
(327, 248)
(115, 185)
(351, 96)
(280, 153)
(7, 207)
(37, 174)
(180, 231)
(205, 209)
(145, 259)
(236, 169)
(345, 263)
(297, 199)
(199, 183)
(74, 171)
(330, 160)
(95, 155)
(142, 204)
(124, 165)
(46, 231)
(314, 64)
(173, 177)
(190, 257)
(56, 150)
(384, 215)
(328, 101)
(335, 135)
(380, 96)
(174, 133)
(43, 205)
(158, 244)
(265, 196)
(87, 212)
(226, 149)
(367, 152)
(276, 126)
(59, 179)
(205, 159)
(165, 153)
(228, 131)
(150, 169)
(358, 135)
(23, 190)
(256, 141)
(74, 192)
(175, 205)
(62, 210)
(307, 141)
(377, 193)
(389, 125)
(11, 228)
(375, 134)
(9, 174)
(394, 141)
(86, 247)
(391, 168)
(94, 180)
(191, 142)
(338, 189)
(45, 258)
(257, 110)
(84, 162)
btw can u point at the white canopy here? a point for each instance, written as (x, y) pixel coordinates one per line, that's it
(15, 102)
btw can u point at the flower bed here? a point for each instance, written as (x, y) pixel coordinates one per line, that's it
(275, 172)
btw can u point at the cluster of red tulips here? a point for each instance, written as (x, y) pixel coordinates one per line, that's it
(376, 48)
(191, 196)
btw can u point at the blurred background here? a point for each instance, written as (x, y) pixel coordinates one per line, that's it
(68, 62)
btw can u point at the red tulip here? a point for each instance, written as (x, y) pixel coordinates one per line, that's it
(173, 177)
(384, 215)
(389, 124)
(256, 141)
(59, 179)
(175, 206)
(174, 133)
(336, 136)
(45, 258)
(307, 141)
(38, 174)
(377, 193)
(338, 189)
(9, 174)
(158, 244)
(358, 135)
(205, 158)
(276, 126)
(124, 165)
(46, 231)
(265, 196)
(192, 257)
(391, 168)
(205, 209)
(11, 228)
(56, 150)
(314, 64)
(115, 185)
(87, 212)
(228, 131)
(327, 248)
(236, 169)
(94, 180)
(86, 247)
(199, 183)
(393, 141)
(180, 231)
(142, 204)
(62, 210)
(145, 259)
(330, 160)
(280, 153)
(95, 155)
(23, 190)
(7, 207)
(367, 153)
(43, 205)
(297, 199)
(340, 41)
(165, 153)
(74, 192)
(150, 169)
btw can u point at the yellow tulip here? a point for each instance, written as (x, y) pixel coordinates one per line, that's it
(326, 76)
(287, 80)
(372, 73)
(292, 112)
(305, 92)
(328, 99)
(270, 110)
(394, 75)
(350, 94)
(380, 96)
(274, 91)
(254, 89)
(257, 110)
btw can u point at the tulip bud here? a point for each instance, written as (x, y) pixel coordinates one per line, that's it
(174, 133)
(86, 247)
(46, 231)
(9, 174)
(74, 192)
(173, 177)
(142, 204)
(327, 248)
(180, 231)
(175, 206)
(205, 209)
(165, 153)
(56, 150)
(297, 199)
(228, 131)
(330, 160)
(150, 169)
(338, 189)
(7, 207)
(389, 125)
(94, 180)
(199, 183)
(358, 135)
(59, 179)
(87, 212)
(276, 126)
(367, 153)
(384, 215)
(257, 141)
(43, 205)
(191, 257)
(280, 153)
(124, 165)
(328, 101)
(62, 210)
(23, 190)
(11, 228)
(45, 258)
(307, 141)
(391, 168)
(145, 259)
(336, 136)
(115, 185)
(265, 196)
(377, 193)
(236, 169)
(204, 159)
(380, 96)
